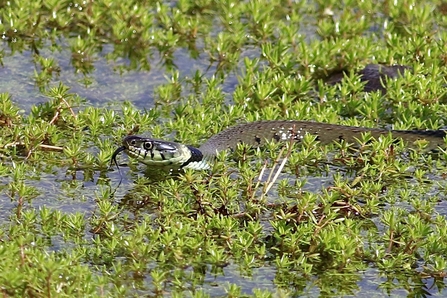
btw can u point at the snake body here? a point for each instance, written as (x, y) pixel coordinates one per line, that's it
(159, 153)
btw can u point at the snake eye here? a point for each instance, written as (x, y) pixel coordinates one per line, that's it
(133, 142)
(147, 145)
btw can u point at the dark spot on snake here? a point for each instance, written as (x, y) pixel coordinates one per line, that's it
(196, 156)
(162, 156)
(258, 140)
(276, 137)
(317, 138)
(340, 138)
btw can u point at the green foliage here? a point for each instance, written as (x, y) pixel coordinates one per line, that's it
(9, 112)
(31, 267)
(335, 210)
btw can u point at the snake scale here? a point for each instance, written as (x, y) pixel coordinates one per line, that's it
(159, 153)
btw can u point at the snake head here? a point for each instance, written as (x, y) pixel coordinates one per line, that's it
(132, 143)
(155, 152)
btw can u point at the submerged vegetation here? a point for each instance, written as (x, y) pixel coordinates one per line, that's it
(341, 219)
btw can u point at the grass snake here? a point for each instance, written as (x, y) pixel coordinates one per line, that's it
(159, 153)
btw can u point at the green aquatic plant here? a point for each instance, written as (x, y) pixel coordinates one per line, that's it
(301, 220)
